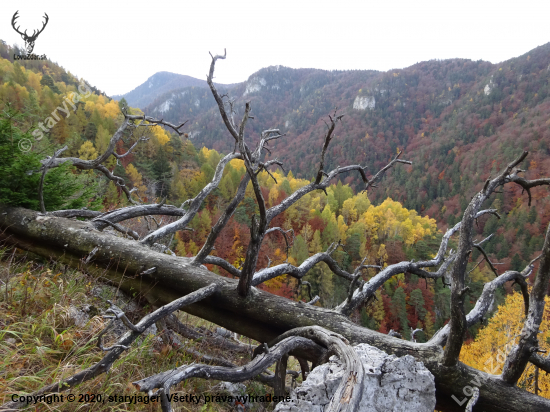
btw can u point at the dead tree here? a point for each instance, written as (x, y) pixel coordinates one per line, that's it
(283, 325)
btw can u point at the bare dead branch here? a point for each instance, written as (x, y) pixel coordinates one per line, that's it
(152, 122)
(480, 248)
(258, 227)
(222, 221)
(194, 205)
(473, 400)
(210, 80)
(121, 156)
(540, 362)
(267, 135)
(413, 332)
(370, 287)
(165, 380)
(69, 213)
(131, 212)
(301, 192)
(118, 181)
(395, 334)
(169, 337)
(458, 323)
(517, 359)
(349, 392)
(527, 184)
(97, 163)
(119, 228)
(370, 182)
(314, 300)
(299, 272)
(218, 261)
(328, 137)
(280, 375)
(308, 285)
(284, 233)
(486, 300)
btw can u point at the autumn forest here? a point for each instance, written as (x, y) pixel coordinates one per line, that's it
(458, 121)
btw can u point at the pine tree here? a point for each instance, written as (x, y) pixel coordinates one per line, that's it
(416, 300)
(163, 173)
(19, 176)
(429, 329)
(516, 263)
(399, 309)
(299, 250)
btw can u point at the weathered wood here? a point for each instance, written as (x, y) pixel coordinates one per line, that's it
(528, 341)
(260, 316)
(165, 380)
(349, 391)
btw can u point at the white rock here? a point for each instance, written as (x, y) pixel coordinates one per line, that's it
(364, 103)
(255, 84)
(79, 317)
(391, 384)
(164, 107)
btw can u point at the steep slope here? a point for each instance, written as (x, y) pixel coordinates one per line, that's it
(458, 121)
(383, 109)
(158, 84)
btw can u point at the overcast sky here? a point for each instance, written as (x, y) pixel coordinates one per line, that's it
(117, 45)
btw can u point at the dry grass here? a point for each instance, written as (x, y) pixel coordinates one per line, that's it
(40, 343)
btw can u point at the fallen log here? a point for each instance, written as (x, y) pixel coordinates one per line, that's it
(161, 278)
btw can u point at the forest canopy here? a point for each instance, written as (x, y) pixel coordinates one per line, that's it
(304, 266)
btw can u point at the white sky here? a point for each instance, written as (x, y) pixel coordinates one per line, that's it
(117, 45)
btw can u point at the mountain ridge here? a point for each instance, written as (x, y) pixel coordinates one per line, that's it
(158, 83)
(458, 120)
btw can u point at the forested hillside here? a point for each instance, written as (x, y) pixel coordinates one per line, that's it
(458, 121)
(383, 231)
(168, 166)
(371, 253)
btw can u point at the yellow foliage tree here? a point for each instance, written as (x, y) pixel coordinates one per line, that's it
(34, 81)
(136, 179)
(342, 228)
(349, 212)
(273, 195)
(495, 341)
(160, 135)
(376, 310)
(87, 151)
(102, 140)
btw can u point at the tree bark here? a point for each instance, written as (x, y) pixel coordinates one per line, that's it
(261, 316)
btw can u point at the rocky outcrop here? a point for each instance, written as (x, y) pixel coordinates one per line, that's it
(391, 384)
(364, 103)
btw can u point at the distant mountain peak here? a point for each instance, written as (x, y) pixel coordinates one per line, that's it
(157, 84)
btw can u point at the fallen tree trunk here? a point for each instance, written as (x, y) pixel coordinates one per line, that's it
(262, 316)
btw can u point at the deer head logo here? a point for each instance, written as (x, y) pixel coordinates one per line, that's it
(29, 40)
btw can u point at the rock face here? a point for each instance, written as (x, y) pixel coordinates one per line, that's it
(364, 103)
(254, 84)
(391, 384)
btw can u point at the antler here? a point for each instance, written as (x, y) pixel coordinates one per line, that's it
(35, 33)
(15, 16)
(43, 27)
